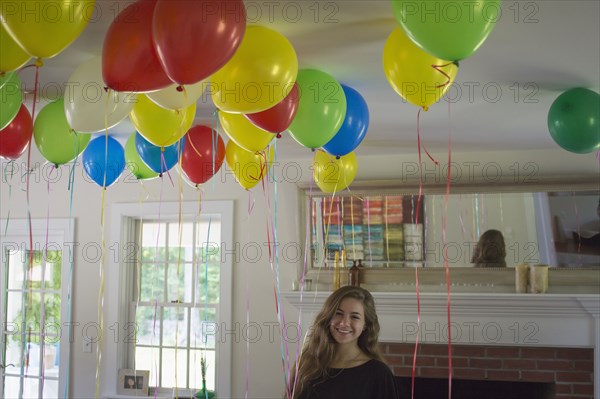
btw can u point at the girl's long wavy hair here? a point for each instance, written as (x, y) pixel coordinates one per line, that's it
(319, 349)
(490, 250)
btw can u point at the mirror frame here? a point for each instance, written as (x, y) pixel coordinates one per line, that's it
(464, 279)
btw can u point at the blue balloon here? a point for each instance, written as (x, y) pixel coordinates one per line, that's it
(152, 155)
(104, 155)
(355, 125)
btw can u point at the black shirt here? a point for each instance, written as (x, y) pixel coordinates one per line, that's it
(371, 380)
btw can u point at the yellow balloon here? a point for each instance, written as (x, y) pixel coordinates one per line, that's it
(332, 174)
(415, 74)
(244, 133)
(160, 126)
(12, 55)
(249, 168)
(44, 28)
(260, 74)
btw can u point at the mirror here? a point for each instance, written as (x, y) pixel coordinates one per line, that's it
(378, 226)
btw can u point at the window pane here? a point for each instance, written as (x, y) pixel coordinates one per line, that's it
(32, 359)
(11, 387)
(147, 359)
(213, 274)
(51, 353)
(32, 311)
(152, 285)
(171, 368)
(175, 324)
(204, 328)
(147, 332)
(53, 270)
(195, 369)
(153, 241)
(50, 389)
(15, 269)
(180, 286)
(14, 343)
(181, 245)
(52, 308)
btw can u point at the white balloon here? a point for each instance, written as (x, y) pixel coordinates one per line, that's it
(171, 98)
(89, 105)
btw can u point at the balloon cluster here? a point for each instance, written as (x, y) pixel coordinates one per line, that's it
(420, 57)
(176, 50)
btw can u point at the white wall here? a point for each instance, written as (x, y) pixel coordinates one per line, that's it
(266, 379)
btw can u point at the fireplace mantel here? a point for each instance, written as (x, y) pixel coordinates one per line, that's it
(556, 320)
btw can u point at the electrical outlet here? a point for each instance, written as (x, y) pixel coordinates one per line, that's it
(87, 346)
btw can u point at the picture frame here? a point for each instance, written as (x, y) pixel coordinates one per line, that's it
(133, 382)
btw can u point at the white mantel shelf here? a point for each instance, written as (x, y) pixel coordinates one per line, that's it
(543, 320)
(494, 304)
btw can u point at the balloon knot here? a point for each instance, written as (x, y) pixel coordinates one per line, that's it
(337, 157)
(106, 89)
(425, 108)
(180, 88)
(456, 63)
(278, 135)
(313, 149)
(160, 175)
(39, 63)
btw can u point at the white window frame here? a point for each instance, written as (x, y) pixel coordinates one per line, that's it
(61, 231)
(119, 281)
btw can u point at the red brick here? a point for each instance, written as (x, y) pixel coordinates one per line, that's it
(538, 353)
(563, 388)
(469, 351)
(456, 362)
(515, 364)
(485, 363)
(538, 376)
(437, 350)
(584, 365)
(575, 353)
(503, 375)
(402, 371)
(399, 349)
(394, 360)
(500, 352)
(435, 372)
(574, 376)
(583, 389)
(555, 365)
(425, 361)
(469, 374)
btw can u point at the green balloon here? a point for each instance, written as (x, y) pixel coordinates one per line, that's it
(321, 109)
(574, 120)
(55, 139)
(449, 30)
(11, 97)
(134, 163)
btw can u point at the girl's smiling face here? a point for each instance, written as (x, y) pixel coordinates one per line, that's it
(348, 322)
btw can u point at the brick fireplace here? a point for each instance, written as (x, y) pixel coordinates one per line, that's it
(551, 339)
(567, 372)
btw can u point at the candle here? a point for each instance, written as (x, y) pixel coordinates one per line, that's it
(521, 278)
(336, 271)
(538, 279)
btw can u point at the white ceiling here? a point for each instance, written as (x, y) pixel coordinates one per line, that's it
(537, 50)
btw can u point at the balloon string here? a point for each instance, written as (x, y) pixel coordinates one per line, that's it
(477, 227)
(414, 362)
(10, 164)
(263, 166)
(352, 225)
(101, 290)
(440, 70)
(444, 219)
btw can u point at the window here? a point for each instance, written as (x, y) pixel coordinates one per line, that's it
(176, 293)
(34, 283)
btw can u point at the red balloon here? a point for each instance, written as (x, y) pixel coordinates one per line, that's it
(194, 39)
(15, 137)
(203, 154)
(279, 117)
(129, 60)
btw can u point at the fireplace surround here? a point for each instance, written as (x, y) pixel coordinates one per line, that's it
(551, 339)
